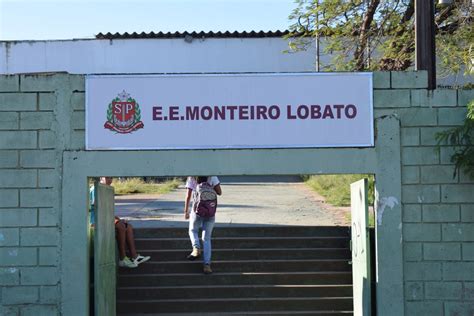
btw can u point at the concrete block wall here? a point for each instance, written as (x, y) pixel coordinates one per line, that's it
(41, 116)
(438, 208)
(34, 131)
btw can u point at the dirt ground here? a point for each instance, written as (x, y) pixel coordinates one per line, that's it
(241, 204)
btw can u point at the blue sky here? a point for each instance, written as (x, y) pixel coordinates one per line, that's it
(66, 19)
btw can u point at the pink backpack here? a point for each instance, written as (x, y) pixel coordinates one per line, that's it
(205, 200)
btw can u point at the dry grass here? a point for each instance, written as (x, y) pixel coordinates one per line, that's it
(137, 185)
(336, 189)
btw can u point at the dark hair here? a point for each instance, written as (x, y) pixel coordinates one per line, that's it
(201, 179)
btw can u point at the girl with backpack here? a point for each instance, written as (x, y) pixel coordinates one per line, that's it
(203, 191)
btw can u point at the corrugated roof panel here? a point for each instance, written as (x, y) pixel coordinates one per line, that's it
(201, 34)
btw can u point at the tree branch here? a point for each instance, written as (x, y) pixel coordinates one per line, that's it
(364, 31)
(408, 12)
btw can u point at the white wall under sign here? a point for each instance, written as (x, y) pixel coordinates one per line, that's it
(273, 110)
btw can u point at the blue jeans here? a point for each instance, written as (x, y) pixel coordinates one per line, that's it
(207, 225)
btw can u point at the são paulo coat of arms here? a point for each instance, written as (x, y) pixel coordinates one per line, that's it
(123, 114)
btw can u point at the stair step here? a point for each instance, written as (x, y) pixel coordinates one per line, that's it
(269, 270)
(237, 304)
(232, 291)
(241, 266)
(247, 242)
(231, 278)
(261, 313)
(256, 231)
(249, 254)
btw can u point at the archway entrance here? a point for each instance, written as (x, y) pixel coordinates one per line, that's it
(383, 160)
(276, 248)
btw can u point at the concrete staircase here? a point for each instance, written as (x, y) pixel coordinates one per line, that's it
(283, 270)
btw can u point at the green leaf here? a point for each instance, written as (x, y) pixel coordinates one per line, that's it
(391, 37)
(461, 139)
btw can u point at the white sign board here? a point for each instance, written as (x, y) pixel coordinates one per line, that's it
(287, 110)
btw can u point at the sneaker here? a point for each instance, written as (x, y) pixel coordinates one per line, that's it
(140, 259)
(194, 254)
(207, 269)
(127, 263)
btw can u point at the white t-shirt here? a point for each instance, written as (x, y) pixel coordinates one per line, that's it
(191, 182)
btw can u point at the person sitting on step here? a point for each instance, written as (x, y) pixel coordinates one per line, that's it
(124, 236)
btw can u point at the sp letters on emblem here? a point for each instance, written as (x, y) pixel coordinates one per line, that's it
(123, 114)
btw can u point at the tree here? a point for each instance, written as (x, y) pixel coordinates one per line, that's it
(379, 35)
(462, 139)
